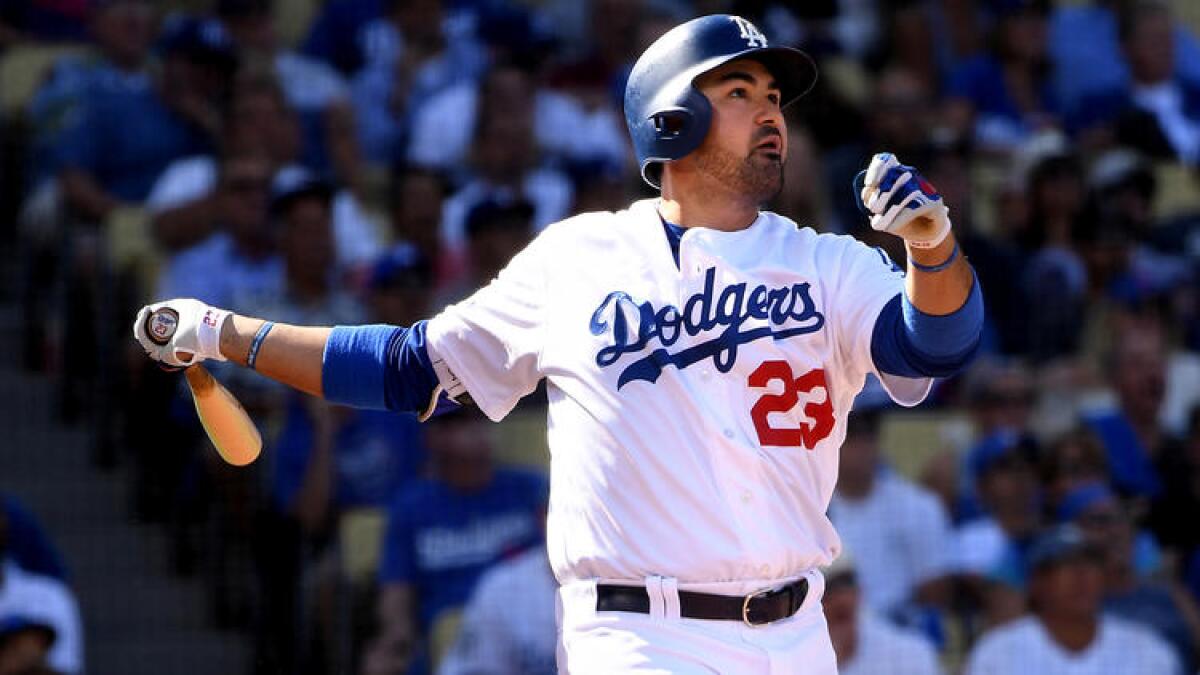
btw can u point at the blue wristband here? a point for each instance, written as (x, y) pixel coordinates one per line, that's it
(930, 269)
(256, 343)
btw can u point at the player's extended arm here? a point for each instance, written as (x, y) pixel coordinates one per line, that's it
(377, 366)
(932, 329)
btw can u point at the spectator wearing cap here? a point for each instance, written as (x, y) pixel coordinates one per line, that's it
(1067, 634)
(1131, 559)
(416, 212)
(28, 600)
(258, 120)
(315, 90)
(400, 286)
(506, 164)
(300, 213)
(496, 232)
(1000, 98)
(443, 532)
(411, 54)
(865, 643)
(1158, 111)
(896, 528)
(999, 398)
(1122, 262)
(990, 552)
(1054, 280)
(124, 137)
(1070, 461)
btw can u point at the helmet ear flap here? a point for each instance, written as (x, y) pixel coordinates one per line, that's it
(678, 129)
(670, 124)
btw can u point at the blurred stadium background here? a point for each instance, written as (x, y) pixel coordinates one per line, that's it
(372, 160)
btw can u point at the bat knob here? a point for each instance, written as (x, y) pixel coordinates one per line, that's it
(161, 325)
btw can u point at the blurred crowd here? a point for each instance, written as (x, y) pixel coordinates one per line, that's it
(370, 161)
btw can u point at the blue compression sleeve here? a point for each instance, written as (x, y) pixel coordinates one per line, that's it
(910, 343)
(378, 367)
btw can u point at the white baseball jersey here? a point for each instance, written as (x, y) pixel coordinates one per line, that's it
(696, 410)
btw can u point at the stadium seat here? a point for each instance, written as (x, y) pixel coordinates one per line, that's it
(22, 70)
(361, 536)
(908, 439)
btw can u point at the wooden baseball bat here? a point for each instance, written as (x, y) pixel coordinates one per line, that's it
(224, 419)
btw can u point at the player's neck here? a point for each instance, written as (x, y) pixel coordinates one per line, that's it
(688, 201)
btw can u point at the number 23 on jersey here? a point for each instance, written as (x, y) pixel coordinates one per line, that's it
(807, 434)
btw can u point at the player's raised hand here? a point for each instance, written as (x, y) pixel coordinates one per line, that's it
(902, 202)
(180, 332)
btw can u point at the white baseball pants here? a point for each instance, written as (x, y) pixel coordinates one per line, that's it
(662, 643)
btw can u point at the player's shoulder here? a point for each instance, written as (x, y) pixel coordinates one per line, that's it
(828, 245)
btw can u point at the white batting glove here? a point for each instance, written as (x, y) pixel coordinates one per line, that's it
(902, 202)
(180, 332)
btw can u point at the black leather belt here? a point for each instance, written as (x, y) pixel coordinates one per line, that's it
(755, 609)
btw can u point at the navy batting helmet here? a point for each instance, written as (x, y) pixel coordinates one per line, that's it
(667, 116)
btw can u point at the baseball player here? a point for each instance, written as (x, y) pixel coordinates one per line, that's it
(701, 356)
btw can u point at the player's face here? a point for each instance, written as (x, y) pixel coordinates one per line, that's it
(747, 139)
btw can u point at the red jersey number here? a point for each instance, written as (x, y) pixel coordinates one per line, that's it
(807, 435)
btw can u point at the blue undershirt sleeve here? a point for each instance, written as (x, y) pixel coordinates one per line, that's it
(378, 367)
(910, 343)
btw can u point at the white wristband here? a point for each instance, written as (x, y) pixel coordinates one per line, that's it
(208, 333)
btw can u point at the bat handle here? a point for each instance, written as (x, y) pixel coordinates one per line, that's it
(199, 379)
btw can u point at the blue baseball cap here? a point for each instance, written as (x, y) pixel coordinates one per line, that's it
(198, 39)
(13, 624)
(1083, 498)
(1063, 543)
(999, 448)
(402, 266)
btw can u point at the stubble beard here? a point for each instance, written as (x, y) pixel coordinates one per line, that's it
(755, 176)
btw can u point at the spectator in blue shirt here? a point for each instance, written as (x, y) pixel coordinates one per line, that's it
(122, 31)
(243, 248)
(124, 138)
(1131, 433)
(443, 532)
(1002, 97)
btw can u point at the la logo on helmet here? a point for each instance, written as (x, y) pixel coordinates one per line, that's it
(750, 33)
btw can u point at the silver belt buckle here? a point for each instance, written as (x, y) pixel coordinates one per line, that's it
(746, 607)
